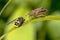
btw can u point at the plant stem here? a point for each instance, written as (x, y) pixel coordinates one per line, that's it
(7, 33)
(5, 6)
(47, 18)
(37, 19)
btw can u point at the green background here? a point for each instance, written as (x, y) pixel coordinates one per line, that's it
(36, 30)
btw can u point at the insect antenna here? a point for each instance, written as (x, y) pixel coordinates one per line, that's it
(10, 22)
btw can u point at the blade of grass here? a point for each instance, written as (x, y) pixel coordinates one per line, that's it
(37, 19)
(5, 6)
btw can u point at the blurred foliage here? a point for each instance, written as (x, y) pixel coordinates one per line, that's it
(36, 30)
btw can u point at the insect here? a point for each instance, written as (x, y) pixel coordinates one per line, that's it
(39, 12)
(18, 21)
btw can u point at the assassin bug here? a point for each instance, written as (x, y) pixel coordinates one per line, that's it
(18, 21)
(39, 12)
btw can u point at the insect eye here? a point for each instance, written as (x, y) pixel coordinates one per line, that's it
(16, 23)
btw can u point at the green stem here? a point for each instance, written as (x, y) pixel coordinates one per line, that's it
(47, 18)
(7, 33)
(5, 6)
(37, 19)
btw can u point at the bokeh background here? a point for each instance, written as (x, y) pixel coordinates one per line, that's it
(38, 30)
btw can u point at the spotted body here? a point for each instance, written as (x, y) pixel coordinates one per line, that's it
(18, 21)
